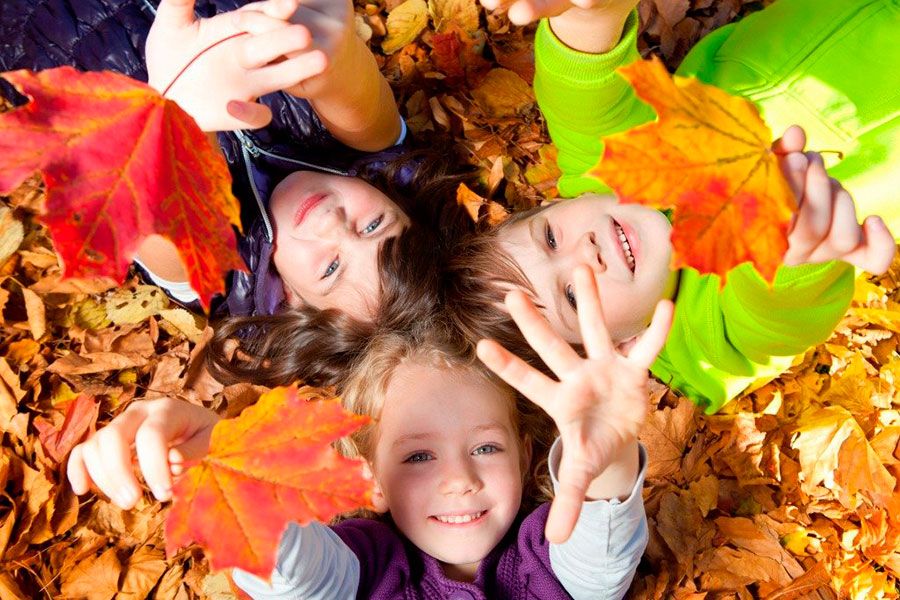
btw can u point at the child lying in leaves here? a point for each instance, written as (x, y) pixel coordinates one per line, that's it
(723, 337)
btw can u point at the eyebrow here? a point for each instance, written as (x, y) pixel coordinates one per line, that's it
(425, 435)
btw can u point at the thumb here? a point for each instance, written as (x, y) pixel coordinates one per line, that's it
(253, 115)
(175, 14)
(574, 479)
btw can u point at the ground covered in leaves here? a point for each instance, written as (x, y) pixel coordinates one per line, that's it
(787, 493)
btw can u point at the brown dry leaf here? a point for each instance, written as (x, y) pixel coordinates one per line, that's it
(12, 232)
(96, 362)
(96, 578)
(404, 24)
(463, 13)
(502, 93)
(189, 324)
(666, 435)
(143, 570)
(37, 319)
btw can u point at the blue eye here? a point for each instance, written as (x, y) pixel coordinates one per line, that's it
(332, 267)
(371, 227)
(570, 296)
(486, 449)
(418, 457)
(551, 239)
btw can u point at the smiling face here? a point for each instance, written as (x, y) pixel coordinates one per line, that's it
(328, 230)
(626, 245)
(448, 464)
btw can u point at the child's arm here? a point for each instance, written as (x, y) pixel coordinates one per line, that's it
(724, 339)
(598, 404)
(164, 433)
(311, 58)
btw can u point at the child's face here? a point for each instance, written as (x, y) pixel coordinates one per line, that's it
(328, 230)
(447, 464)
(633, 274)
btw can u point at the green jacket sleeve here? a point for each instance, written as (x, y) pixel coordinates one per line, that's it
(724, 340)
(582, 99)
(830, 66)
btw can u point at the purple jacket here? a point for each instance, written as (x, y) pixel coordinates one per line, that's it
(392, 568)
(110, 35)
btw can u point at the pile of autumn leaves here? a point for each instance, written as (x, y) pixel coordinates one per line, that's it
(786, 493)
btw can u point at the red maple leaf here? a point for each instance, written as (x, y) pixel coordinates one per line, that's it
(709, 158)
(81, 417)
(272, 465)
(120, 163)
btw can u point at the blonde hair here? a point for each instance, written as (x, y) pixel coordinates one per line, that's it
(366, 389)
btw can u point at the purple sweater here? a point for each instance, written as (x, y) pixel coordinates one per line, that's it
(392, 568)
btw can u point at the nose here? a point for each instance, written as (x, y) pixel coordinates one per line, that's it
(589, 252)
(332, 224)
(459, 478)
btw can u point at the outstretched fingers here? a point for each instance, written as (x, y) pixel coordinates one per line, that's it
(553, 350)
(652, 340)
(594, 334)
(530, 382)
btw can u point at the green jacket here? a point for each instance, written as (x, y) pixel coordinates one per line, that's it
(828, 66)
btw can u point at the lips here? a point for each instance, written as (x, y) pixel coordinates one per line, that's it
(307, 205)
(460, 519)
(624, 236)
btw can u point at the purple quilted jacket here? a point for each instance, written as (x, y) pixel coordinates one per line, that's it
(97, 35)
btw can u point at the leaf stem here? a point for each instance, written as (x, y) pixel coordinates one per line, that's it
(199, 54)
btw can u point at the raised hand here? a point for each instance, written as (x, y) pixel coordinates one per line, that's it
(216, 68)
(825, 226)
(163, 433)
(599, 402)
(522, 12)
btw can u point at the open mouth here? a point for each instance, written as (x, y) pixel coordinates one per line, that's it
(625, 245)
(459, 519)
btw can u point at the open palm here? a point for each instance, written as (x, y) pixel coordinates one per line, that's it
(599, 402)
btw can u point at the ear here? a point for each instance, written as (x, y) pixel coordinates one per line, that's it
(379, 502)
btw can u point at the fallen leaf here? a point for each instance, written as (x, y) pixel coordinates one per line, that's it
(95, 362)
(96, 578)
(404, 24)
(120, 163)
(502, 93)
(81, 417)
(261, 474)
(709, 158)
(11, 233)
(463, 13)
(135, 305)
(37, 314)
(142, 571)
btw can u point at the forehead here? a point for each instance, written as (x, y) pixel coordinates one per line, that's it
(420, 394)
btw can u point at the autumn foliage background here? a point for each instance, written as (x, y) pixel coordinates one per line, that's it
(787, 493)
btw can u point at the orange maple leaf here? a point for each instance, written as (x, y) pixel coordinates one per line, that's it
(272, 465)
(120, 163)
(709, 158)
(81, 417)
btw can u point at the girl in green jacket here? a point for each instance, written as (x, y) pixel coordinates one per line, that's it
(792, 59)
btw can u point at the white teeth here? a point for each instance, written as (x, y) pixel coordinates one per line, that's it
(456, 519)
(629, 257)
